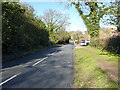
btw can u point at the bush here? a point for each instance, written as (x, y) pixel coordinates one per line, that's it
(94, 43)
(20, 29)
(113, 45)
(60, 37)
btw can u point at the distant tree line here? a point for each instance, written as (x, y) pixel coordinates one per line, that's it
(21, 30)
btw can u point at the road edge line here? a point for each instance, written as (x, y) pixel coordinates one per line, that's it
(10, 78)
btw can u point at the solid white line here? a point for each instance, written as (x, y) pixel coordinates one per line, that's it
(51, 54)
(60, 51)
(39, 61)
(9, 79)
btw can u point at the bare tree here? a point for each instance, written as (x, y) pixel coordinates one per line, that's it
(54, 20)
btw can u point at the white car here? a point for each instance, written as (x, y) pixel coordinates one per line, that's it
(87, 42)
(83, 43)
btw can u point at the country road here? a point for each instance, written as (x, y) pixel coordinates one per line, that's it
(51, 68)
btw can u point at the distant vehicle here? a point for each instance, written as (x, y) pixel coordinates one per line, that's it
(87, 42)
(76, 40)
(83, 43)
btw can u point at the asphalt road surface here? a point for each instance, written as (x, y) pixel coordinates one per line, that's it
(51, 68)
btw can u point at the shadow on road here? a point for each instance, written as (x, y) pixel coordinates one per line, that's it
(29, 58)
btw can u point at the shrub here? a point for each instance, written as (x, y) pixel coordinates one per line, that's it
(94, 43)
(20, 29)
(113, 45)
(60, 37)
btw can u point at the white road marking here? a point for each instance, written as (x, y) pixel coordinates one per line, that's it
(9, 79)
(39, 61)
(60, 51)
(51, 54)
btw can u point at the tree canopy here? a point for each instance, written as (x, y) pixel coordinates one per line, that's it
(20, 29)
(91, 13)
(56, 24)
(55, 21)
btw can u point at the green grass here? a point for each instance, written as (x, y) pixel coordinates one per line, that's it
(87, 74)
(77, 44)
(103, 55)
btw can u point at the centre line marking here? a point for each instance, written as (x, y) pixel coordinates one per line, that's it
(9, 79)
(51, 54)
(60, 51)
(39, 61)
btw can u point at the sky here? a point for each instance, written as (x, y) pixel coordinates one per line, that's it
(76, 21)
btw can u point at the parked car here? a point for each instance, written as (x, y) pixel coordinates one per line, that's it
(83, 43)
(87, 42)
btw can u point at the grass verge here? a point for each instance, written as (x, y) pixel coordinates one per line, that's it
(87, 73)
